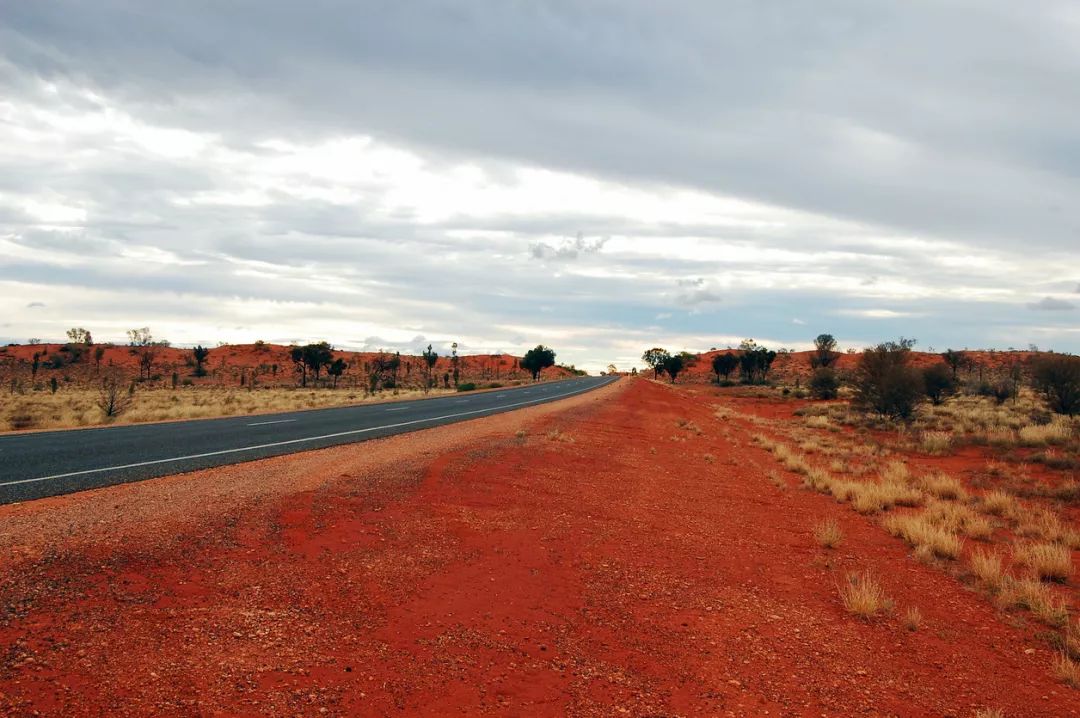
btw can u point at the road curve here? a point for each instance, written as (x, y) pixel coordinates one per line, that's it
(49, 463)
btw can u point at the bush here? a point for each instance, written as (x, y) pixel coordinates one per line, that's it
(886, 383)
(824, 384)
(1057, 377)
(467, 386)
(938, 383)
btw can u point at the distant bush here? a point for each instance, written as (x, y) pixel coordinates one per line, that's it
(824, 384)
(886, 383)
(938, 382)
(466, 386)
(1057, 377)
(493, 385)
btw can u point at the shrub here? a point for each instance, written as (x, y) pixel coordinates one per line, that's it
(885, 383)
(938, 383)
(1057, 377)
(1048, 561)
(824, 384)
(467, 386)
(1067, 670)
(935, 442)
(924, 535)
(863, 596)
(987, 568)
(828, 533)
(912, 618)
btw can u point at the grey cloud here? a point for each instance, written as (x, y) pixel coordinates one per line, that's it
(35, 305)
(1051, 304)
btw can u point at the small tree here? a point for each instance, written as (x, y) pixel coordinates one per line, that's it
(824, 383)
(673, 364)
(724, 364)
(938, 383)
(114, 397)
(200, 355)
(956, 360)
(99, 354)
(825, 354)
(78, 335)
(315, 357)
(655, 359)
(538, 359)
(1057, 377)
(454, 362)
(430, 357)
(140, 337)
(886, 383)
(336, 369)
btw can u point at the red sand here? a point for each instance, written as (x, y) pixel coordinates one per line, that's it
(622, 566)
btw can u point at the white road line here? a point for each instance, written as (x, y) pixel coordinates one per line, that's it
(278, 421)
(352, 432)
(399, 408)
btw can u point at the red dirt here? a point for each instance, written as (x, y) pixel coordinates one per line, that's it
(622, 565)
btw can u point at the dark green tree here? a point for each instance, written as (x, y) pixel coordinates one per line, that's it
(724, 364)
(956, 360)
(430, 357)
(538, 359)
(673, 365)
(886, 383)
(655, 359)
(938, 383)
(824, 383)
(336, 369)
(1057, 377)
(200, 355)
(825, 354)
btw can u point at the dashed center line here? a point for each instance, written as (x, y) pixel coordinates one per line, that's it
(276, 421)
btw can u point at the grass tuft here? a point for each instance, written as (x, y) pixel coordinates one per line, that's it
(828, 533)
(863, 596)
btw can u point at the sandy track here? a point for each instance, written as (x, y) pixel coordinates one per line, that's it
(608, 562)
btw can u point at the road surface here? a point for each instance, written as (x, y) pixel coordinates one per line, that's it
(48, 463)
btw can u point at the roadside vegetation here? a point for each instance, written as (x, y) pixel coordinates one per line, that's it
(82, 383)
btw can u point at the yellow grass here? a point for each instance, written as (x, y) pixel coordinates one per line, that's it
(1056, 432)
(1034, 596)
(863, 596)
(923, 534)
(78, 407)
(1067, 671)
(988, 569)
(1048, 561)
(999, 503)
(935, 442)
(942, 486)
(828, 533)
(913, 618)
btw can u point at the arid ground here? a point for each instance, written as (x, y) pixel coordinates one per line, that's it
(642, 550)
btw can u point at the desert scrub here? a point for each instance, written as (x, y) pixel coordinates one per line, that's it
(987, 568)
(1048, 561)
(1067, 671)
(863, 596)
(828, 533)
(923, 535)
(1035, 597)
(942, 486)
(999, 503)
(935, 442)
(913, 618)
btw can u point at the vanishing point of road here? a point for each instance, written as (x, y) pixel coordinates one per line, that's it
(49, 463)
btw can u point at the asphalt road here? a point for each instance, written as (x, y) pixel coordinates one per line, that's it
(48, 463)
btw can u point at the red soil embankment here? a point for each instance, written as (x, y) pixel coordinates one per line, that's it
(270, 364)
(610, 561)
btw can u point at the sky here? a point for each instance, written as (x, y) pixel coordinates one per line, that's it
(598, 176)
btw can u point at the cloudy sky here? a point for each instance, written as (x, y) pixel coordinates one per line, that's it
(600, 176)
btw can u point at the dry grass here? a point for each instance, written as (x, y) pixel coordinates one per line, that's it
(1056, 432)
(925, 536)
(959, 518)
(913, 618)
(1067, 671)
(819, 422)
(78, 407)
(988, 569)
(1034, 596)
(828, 533)
(1048, 561)
(935, 442)
(942, 486)
(863, 596)
(999, 503)
(989, 713)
